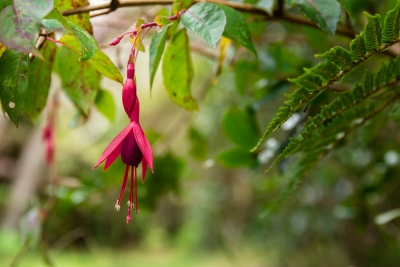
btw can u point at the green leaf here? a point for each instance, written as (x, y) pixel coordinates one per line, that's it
(391, 28)
(177, 71)
(373, 32)
(105, 104)
(83, 19)
(80, 80)
(4, 3)
(39, 82)
(87, 42)
(162, 21)
(13, 83)
(20, 24)
(240, 128)
(198, 143)
(99, 60)
(206, 21)
(325, 13)
(236, 29)
(156, 50)
(52, 25)
(237, 157)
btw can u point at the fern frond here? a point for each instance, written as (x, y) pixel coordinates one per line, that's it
(308, 81)
(339, 129)
(363, 47)
(373, 32)
(325, 70)
(372, 84)
(391, 26)
(338, 56)
(358, 48)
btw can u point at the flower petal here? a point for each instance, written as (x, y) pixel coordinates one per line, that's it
(112, 157)
(144, 169)
(143, 144)
(114, 144)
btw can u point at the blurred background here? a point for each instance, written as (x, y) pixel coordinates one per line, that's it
(206, 203)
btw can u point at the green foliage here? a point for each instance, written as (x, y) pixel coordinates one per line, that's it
(206, 21)
(20, 24)
(99, 60)
(156, 50)
(236, 29)
(325, 13)
(105, 104)
(177, 71)
(239, 126)
(14, 68)
(237, 157)
(81, 81)
(87, 42)
(39, 82)
(311, 86)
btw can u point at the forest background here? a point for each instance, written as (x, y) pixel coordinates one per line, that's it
(331, 192)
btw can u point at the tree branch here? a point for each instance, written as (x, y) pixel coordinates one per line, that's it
(246, 8)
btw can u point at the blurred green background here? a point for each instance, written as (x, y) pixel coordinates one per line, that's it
(207, 202)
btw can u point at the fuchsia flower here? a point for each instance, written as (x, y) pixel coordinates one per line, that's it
(131, 143)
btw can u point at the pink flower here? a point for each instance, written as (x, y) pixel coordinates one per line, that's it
(134, 148)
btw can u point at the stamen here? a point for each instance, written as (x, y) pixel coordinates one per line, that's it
(131, 188)
(117, 206)
(121, 194)
(136, 189)
(128, 217)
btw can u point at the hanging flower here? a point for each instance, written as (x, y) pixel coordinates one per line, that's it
(134, 148)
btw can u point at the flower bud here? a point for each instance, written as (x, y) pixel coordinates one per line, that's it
(116, 40)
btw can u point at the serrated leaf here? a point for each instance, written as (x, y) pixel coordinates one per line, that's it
(325, 13)
(99, 60)
(105, 104)
(80, 80)
(237, 157)
(177, 71)
(39, 82)
(240, 128)
(13, 82)
(206, 21)
(372, 32)
(20, 24)
(358, 48)
(391, 29)
(236, 29)
(156, 50)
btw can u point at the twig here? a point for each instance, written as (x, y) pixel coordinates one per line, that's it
(343, 30)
